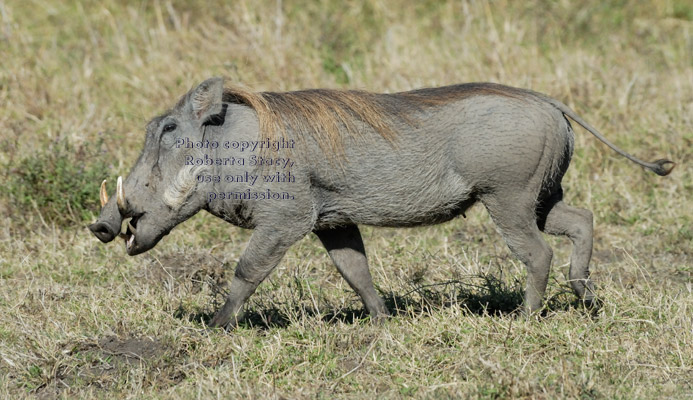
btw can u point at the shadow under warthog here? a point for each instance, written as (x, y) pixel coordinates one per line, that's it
(483, 294)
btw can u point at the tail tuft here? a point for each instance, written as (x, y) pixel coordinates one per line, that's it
(662, 167)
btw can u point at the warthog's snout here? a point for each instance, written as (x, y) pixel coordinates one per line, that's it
(108, 226)
(103, 231)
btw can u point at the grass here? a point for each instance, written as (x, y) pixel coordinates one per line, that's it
(82, 319)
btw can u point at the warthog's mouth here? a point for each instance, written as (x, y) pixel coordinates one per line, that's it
(139, 234)
(128, 231)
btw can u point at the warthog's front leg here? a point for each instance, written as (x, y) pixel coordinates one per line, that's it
(265, 249)
(346, 249)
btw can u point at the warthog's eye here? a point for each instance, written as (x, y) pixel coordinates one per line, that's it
(170, 127)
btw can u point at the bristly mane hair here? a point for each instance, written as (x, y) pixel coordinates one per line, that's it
(324, 113)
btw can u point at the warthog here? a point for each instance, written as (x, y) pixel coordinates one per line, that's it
(325, 161)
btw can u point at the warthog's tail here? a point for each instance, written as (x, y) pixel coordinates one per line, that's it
(660, 167)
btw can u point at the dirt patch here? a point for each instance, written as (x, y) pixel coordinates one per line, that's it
(108, 362)
(191, 269)
(132, 349)
(110, 353)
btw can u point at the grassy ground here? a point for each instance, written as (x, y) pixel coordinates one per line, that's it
(79, 80)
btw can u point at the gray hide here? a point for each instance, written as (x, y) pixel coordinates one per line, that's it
(505, 147)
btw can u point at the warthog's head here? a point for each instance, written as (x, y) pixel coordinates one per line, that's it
(159, 193)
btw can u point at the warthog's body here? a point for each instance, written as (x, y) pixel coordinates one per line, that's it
(404, 159)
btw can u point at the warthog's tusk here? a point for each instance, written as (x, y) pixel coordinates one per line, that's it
(103, 194)
(132, 228)
(120, 196)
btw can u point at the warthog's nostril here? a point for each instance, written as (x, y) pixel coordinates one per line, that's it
(102, 231)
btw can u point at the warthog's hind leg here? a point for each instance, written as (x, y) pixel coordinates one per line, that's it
(516, 221)
(346, 249)
(557, 218)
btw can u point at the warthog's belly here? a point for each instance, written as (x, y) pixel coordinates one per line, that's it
(398, 200)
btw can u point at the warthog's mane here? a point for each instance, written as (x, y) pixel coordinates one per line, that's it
(327, 114)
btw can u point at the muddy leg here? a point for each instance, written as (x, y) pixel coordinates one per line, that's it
(517, 224)
(575, 223)
(264, 251)
(346, 249)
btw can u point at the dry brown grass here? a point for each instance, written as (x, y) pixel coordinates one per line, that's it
(80, 319)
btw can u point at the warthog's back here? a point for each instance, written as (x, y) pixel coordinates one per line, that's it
(442, 159)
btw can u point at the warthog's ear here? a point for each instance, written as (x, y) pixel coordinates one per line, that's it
(206, 99)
